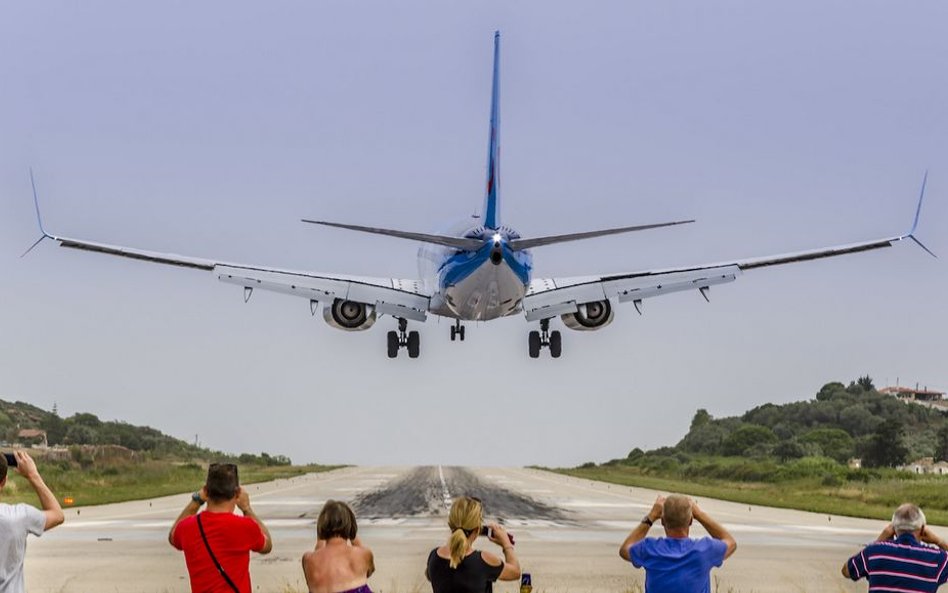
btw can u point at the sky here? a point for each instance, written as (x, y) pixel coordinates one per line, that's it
(209, 129)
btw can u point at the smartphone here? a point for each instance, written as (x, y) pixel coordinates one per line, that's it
(11, 459)
(486, 531)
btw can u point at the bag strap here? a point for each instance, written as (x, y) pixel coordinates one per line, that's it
(220, 568)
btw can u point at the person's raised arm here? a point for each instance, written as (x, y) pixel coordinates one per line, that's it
(929, 537)
(243, 503)
(499, 536)
(714, 529)
(887, 534)
(193, 506)
(51, 509)
(641, 530)
(369, 557)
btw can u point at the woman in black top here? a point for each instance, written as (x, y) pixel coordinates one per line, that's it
(457, 567)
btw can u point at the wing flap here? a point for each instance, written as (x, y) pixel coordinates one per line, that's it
(552, 297)
(381, 293)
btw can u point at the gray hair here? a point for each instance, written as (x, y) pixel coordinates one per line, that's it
(908, 518)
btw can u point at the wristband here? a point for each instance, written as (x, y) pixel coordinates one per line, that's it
(196, 497)
(647, 520)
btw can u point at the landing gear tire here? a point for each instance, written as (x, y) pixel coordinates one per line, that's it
(414, 344)
(556, 344)
(545, 339)
(393, 344)
(457, 331)
(534, 343)
(461, 333)
(396, 340)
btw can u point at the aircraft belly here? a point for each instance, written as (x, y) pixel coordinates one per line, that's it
(489, 292)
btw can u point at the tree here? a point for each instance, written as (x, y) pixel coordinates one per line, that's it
(866, 383)
(830, 389)
(887, 447)
(789, 449)
(833, 442)
(701, 418)
(746, 437)
(941, 447)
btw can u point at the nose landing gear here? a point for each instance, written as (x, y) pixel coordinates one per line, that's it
(457, 331)
(545, 339)
(404, 339)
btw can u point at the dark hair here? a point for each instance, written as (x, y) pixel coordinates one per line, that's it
(3, 467)
(222, 481)
(336, 520)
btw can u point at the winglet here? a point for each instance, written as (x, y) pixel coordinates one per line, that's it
(39, 217)
(918, 212)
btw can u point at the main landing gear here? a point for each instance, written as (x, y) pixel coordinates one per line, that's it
(457, 331)
(404, 339)
(545, 338)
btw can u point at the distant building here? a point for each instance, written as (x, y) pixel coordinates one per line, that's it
(926, 465)
(907, 393)
(35, 435)
(854, 463)
(923, 397)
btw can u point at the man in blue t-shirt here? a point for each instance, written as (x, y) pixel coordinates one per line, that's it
(677, 563)
(907, 556)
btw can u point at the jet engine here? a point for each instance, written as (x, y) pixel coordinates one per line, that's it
(590, 316)
(349, 315)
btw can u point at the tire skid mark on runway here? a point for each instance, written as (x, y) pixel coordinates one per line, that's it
(430, 490)
(416, 493)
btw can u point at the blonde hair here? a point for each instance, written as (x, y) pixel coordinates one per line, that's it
(465, 518)
(676, 513)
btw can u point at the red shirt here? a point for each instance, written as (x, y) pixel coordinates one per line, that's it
(231, 537)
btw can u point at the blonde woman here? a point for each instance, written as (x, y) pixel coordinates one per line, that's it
(457, 567)
(339, 563)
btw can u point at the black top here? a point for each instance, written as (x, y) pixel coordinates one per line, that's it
(472, 575)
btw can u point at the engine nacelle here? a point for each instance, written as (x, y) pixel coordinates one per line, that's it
(349, 315)
(591, 316)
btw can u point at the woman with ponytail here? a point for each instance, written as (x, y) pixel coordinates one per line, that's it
(457, 567)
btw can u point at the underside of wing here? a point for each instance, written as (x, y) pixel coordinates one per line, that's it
(392, 296)
(565, 296)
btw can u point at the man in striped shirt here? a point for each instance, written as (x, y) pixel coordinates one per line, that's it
(907, 557)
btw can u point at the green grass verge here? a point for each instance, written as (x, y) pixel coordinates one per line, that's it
(875, 499)
(135, 481)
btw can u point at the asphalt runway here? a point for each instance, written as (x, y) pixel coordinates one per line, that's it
(567, 534)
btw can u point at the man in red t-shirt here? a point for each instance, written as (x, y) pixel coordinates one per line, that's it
(219, 560)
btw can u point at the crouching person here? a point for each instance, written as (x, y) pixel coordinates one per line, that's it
(676, 562)
(216, 542)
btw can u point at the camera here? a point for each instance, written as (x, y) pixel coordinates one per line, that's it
(489, 533)
(11, 459)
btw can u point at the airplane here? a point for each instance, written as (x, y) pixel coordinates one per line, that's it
(480, 273)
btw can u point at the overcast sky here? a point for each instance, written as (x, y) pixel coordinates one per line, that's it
(211, 128)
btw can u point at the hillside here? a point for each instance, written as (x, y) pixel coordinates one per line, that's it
(801, 455)
(85, 430)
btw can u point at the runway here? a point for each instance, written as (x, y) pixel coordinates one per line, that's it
(567, 535)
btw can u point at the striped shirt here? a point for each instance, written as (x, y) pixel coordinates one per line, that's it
(902, 565)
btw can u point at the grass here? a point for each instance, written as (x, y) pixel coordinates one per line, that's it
(875, 498)
(134, 480)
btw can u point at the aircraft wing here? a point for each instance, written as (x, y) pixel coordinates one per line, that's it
(550, 297)
(397, 297)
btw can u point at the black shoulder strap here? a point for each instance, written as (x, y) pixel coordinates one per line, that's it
(220, 568)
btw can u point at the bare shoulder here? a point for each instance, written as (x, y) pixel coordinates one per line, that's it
(491, 559)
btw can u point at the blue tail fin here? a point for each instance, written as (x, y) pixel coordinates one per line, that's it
(491, 207)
